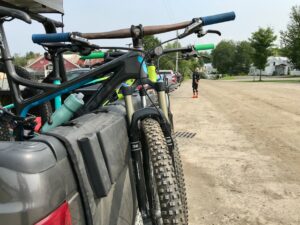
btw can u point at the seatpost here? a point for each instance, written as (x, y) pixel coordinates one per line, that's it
(50, 27)
(55, 76)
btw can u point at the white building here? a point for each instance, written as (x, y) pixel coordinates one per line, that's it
(208, 68)
(275, 66)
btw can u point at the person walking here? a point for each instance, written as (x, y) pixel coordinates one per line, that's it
(196, 78)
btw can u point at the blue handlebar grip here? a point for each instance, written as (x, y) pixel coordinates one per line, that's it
(53, 37)
(219, 18)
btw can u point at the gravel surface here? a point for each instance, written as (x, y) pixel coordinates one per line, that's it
(243, 165)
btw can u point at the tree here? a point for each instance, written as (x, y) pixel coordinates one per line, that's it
(167, 62)
(150, 42)
(20, 60)
(243, 57)
(223, 56)
(290, 38)
(185, 67)
(262, 42)
(206, 57)
(23, 60)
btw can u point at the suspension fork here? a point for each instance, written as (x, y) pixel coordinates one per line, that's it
(162, 99)
(127, 92)
(136, 153)
(143, 97)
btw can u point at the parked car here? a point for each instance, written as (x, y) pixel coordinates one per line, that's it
(169, 77)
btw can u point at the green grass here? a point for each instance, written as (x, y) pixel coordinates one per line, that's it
(228, 78)
(274, 81)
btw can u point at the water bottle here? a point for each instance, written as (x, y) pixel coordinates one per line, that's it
(62, 115)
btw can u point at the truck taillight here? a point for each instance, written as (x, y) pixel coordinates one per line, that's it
(60, 216)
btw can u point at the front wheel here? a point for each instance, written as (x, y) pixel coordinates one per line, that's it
(165, 198)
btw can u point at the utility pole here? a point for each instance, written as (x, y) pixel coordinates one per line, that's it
(176, 64)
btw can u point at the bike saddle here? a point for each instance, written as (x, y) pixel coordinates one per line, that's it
(14, 13)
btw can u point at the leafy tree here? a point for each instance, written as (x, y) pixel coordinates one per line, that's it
(23, 60)
(206, 57)
(20, 60)
(223, 56)
(262, 42)
(185, 67)
(31, 55)
(243, 57)
(278, 52)
(167, 62)
(150, 42)
(290, 38)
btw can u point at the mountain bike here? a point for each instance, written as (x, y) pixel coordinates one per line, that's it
(150, 135)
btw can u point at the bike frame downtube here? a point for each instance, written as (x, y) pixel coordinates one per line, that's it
(129, 68)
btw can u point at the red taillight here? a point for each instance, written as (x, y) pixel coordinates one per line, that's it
(60, 216)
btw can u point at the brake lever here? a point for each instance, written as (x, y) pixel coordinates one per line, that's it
(75, 37)
(214, 32)
(202, 33)
(82, 45)
(194, 27)
(192, 54)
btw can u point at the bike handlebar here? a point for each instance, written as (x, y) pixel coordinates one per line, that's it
(127, 33)
(102, 55)
(49, 38)
(122, 33)
(202, 47)
(219, 18)
(94, 55)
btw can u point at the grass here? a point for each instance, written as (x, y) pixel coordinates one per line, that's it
(227, 77)
(275, 81)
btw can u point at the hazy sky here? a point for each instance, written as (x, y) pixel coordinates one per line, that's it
(99, 15)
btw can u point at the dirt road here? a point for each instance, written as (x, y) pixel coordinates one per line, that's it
(243, 165)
